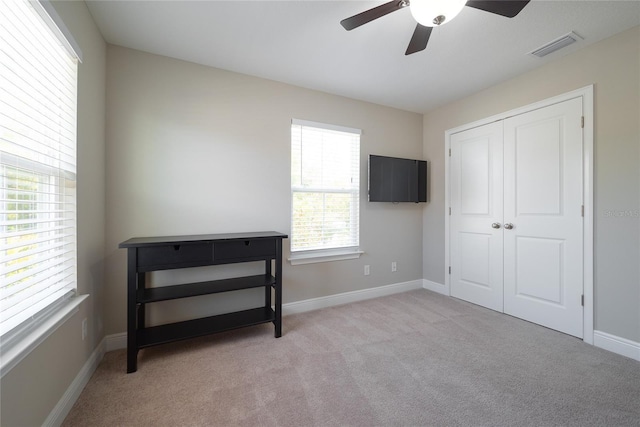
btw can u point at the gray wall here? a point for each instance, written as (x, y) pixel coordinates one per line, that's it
(613, 66)
(193, 149)
(32, 389)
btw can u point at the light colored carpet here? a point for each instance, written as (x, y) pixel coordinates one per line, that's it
(411, 359)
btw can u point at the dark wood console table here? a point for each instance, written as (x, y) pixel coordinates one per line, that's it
(147, 254)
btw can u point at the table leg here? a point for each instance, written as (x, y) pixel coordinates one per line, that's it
(278, 289)
(132, 343)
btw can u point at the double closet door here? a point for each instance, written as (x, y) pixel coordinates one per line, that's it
(516, 224)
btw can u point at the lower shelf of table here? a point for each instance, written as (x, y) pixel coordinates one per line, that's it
(208, 325)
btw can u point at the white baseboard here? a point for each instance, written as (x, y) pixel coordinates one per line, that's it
(435, 287)
(64, 405)
(349, 297)
(601, 339)
(119, 341)
(116, 341)
(617, 344)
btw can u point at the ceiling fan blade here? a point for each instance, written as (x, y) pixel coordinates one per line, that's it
(369, 15)
(419, 39)
(506, 8)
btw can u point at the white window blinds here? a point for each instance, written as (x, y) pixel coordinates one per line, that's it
(325, 186)
(37, 166)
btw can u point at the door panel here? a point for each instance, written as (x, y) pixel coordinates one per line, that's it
(543, 200)
(538, 153)
(475, 259)
(476, 203)
(540, 284)
(475, 171)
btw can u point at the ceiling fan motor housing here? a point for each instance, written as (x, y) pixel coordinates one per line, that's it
(432, 13)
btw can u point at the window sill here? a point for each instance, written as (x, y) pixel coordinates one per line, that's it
(324, 256)
(17, 351)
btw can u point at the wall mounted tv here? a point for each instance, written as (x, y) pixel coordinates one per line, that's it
(392, 179)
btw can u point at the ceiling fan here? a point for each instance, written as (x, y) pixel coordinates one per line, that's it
(432, 13)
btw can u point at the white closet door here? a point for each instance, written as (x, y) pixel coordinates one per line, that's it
(476, 204)
(543, 267)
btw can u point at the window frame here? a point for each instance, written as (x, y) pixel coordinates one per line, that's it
(20, 338)
(333, 253)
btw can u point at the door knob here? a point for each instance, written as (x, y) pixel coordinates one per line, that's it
(495, 225)
(508, 226)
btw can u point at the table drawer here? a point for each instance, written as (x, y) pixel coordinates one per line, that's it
(172, 255)
(259, 248)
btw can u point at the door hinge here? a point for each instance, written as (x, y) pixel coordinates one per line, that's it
(582, 300)
(449, 152)
(582, 122)
(449, 210)
(583, 210)
(449, 269)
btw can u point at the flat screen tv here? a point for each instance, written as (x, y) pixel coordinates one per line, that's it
(396, 180)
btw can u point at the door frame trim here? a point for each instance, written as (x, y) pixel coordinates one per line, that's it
(586, 94)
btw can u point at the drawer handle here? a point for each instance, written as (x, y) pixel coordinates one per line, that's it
(247, 242)
(176, 247)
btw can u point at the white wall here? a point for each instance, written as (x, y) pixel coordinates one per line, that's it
(32, 389)
(613, 66)
(193, 149)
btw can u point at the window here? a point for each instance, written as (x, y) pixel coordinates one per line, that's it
(325, 190)
(37, 168)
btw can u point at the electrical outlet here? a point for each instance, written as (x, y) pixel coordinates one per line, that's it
(394, 266)
(84, 328)
(367, 270)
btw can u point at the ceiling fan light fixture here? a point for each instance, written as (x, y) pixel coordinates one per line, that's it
(432, 13)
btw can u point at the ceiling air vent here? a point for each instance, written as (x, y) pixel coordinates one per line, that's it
(556, 44)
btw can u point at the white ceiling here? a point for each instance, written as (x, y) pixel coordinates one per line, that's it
(302, 43)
